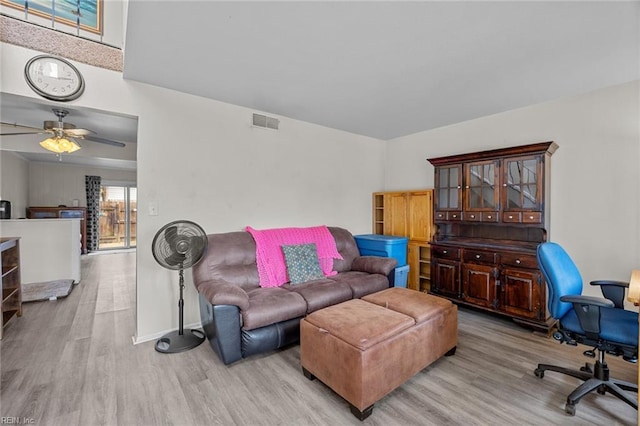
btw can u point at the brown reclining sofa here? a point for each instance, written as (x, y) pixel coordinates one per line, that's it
(241, 319)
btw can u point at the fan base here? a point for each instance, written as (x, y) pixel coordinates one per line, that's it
(175, 342)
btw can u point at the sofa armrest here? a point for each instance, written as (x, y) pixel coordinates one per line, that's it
(221, 325)
(374, 264)
(219, 292)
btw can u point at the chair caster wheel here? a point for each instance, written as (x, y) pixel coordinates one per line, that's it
(539, 373)
(587, 368)
(570, 409)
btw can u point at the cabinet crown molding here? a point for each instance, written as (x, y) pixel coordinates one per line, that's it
(536, 148)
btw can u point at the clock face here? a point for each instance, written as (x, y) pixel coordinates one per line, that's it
(54, 78)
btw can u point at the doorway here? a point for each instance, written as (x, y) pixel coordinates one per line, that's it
(118, 216)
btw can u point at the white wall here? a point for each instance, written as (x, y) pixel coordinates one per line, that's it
(52, 184)
(595, 178)
(201, 160)
(14, 178)
(49, 248)
(212, 167)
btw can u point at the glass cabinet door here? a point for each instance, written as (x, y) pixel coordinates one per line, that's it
(448, 188)
(522, 180)
(481, 189)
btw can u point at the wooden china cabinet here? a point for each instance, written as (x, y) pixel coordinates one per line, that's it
(491, 210)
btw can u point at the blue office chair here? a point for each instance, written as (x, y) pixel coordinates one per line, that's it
(600, 323)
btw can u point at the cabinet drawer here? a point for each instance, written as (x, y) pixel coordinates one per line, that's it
(479, 256)
(511, 217)
(445, 252)
(531, 217)
(451, 216)
(522, 217)
(454, 216)
(472, 216)
(519, 260)
(438, 216)
(490, 216)
(480, 216)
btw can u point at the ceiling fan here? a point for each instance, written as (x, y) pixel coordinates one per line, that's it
(63, 134)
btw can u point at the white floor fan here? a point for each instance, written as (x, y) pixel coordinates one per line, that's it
(178, 246)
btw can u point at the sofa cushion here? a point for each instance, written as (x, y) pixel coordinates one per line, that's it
(271, 305)
(302, 263)
(321, 293)
(362, 283)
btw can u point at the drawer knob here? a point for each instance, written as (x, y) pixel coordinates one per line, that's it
(454, 216)
(518, 261)
(473, 216)
(477, 256)
(444, 251)
(489, 217)
(510, 217)
(531, 217)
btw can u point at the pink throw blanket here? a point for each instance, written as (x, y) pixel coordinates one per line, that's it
(270, 259)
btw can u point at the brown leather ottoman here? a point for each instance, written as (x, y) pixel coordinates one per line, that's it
(365, 348)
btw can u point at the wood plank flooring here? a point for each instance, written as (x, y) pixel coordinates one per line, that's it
(72, 362)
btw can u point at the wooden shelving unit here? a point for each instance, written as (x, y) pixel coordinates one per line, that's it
(408, 214)
(424, 268)
(11, 304)
(378, 213)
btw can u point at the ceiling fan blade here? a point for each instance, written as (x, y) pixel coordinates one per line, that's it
(105, 141)
(78, 133)
(23, 133)
(3, 123)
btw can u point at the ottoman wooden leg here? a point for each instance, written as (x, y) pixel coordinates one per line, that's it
(451, 351)
(361, 415)
(308, 374)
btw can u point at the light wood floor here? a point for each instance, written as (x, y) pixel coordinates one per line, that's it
(71, 362)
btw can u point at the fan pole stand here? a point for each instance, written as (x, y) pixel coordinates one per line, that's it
(178, 341)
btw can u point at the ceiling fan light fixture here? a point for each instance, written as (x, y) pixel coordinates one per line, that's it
(60, 145)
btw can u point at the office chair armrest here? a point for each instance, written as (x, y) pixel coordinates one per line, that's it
(587, 309)
(588, 300)
(610, 282)
(613, 290)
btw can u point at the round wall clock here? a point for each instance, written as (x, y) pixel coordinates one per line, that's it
(54, 78)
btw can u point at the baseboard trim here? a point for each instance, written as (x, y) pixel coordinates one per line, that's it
(155, 336)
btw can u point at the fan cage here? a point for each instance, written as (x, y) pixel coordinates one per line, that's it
(179, 245)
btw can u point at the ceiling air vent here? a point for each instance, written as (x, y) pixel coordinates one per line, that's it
(260, 120)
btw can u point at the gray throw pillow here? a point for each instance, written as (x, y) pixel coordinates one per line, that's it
(302, 263)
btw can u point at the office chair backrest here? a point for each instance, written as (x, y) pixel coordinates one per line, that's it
(562, 276)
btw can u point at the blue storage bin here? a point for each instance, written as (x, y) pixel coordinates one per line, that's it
(400, 277)
(383, 246)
